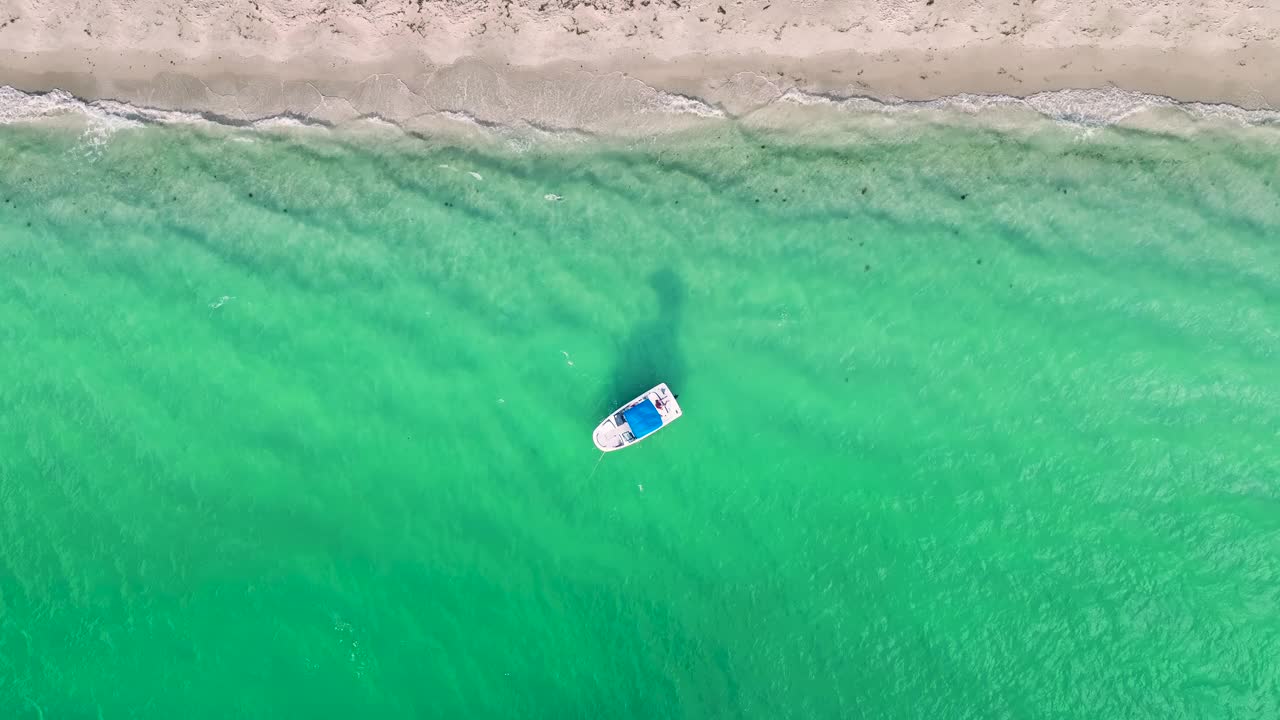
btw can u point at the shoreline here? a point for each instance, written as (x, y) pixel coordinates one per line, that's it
(645, 65)
(471, 98)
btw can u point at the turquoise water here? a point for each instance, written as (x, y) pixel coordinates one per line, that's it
(978, 424)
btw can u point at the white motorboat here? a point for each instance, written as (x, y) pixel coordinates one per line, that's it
(637, 420)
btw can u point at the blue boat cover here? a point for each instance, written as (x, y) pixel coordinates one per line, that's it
(643, 418)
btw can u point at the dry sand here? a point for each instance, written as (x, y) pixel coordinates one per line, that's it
(577, 64)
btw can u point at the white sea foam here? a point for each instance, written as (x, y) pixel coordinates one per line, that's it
(676, 104)
(1089, 107)
(17, 106)
(378, 122)
(143, 115)
(280, 122)
(1086, 108)
(465, 118)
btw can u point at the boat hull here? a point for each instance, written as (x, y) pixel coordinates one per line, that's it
(618, 430)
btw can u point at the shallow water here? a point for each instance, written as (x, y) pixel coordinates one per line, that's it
(978, 424)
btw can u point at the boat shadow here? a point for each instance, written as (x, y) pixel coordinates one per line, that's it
(650, 352)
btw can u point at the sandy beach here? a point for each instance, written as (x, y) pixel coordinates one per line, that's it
(577, 65)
